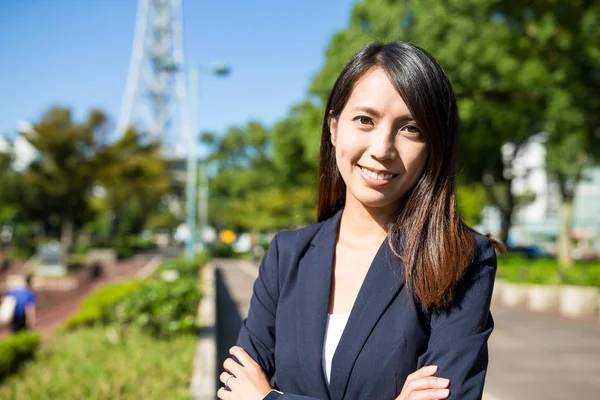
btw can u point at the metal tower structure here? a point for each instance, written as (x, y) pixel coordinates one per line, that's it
(155, 98)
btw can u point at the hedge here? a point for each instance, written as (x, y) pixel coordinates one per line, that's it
(518, 269)
(97, 306)
(16, 349)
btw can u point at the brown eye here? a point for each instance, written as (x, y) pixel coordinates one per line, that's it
(363, 120)
(412, 130)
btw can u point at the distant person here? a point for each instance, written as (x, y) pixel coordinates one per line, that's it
(388, 295)
(24, 316)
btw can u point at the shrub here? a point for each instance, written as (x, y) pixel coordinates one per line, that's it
(16, 349)
(127, 246)
(222, 250)
(163, 309)
(97, 306)
(185, 269)
(547, 272)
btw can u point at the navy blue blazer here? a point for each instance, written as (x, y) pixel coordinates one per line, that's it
(385, 338)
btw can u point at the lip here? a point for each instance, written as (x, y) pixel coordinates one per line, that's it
(375, 182)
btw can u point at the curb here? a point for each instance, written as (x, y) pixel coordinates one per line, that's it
(203, 384)
(149, 268)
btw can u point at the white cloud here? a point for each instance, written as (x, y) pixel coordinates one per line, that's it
(25, 153)
(4, 145)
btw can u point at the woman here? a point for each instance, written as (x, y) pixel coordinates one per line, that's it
(388, 296)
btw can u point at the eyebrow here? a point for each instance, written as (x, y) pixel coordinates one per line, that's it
(377, 114)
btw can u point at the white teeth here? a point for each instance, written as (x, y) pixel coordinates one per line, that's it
(375, 175)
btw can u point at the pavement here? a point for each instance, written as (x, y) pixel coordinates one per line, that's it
(532, 355)
(543, 356)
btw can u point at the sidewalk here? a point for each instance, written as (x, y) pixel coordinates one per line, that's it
(543, 356)
(532, 356)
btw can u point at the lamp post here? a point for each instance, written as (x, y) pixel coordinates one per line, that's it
(192, 163)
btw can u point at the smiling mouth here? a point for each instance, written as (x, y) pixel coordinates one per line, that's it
(380, 176)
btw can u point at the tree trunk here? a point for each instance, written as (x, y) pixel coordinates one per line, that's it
(565, 245)
(506, 207)
(66, 231)
(506, 222)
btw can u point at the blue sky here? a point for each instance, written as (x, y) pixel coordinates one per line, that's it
(76, 53)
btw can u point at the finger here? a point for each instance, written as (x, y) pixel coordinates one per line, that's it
(223, 394)
(242, 356)
(233, 367)
(226, 377)
(423, 372)
(430, 382)
(430, 394)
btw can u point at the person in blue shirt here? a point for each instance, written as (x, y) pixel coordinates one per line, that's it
(24, 316)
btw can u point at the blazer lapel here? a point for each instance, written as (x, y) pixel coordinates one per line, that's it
(381, 285)
(314, 282)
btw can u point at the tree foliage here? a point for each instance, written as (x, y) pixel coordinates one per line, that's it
(517, 68)
(80, 183)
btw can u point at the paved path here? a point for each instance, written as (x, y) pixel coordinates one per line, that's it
(234, 280)
(54, 306)
(543, 356)
(532, 356)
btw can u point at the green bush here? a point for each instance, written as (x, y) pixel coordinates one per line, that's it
(163, 309)
(222, 250)
(80, 248)
(584, 274)
(16, 349)
(127, 246)
(547, 272)
(97, 306)
(185, 269)
(100, 363)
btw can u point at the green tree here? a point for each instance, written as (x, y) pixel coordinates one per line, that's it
(565, 38)
(517, 68)
(58, 182)
(9, 195)
(136, 184)
(262, 177)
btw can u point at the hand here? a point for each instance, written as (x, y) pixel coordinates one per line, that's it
(422, 385)
(246, 381)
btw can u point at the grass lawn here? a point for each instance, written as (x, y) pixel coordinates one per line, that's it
(97, 363)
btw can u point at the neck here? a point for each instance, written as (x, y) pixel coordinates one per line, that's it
(367, 224)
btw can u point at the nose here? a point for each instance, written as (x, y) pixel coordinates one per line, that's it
(382, 146)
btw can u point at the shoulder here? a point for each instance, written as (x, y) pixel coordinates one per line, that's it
(479, 276)
(298, 239)
(484, 248)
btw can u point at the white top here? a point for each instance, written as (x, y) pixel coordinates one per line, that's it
(333, 333)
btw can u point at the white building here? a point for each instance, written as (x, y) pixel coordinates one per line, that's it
(537, 222)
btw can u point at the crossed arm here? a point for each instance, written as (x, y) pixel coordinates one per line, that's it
(457, 349)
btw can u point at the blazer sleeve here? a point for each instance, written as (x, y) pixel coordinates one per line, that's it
(257, 334)
(459, 334)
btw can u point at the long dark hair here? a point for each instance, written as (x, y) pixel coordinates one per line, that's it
(426, 233)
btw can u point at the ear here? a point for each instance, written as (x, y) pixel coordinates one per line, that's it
(332, 127)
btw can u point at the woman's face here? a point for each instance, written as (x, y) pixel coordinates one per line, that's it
(379, 148)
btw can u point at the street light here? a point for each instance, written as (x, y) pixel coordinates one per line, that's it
(192, 159)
